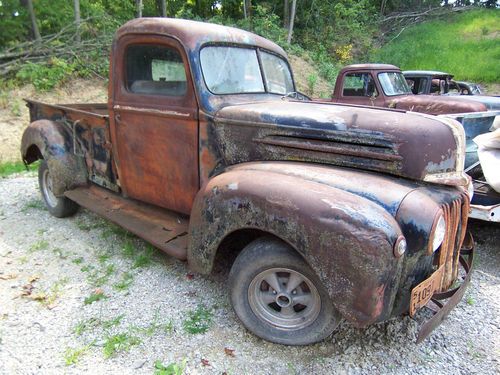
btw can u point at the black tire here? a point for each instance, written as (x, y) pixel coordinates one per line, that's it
(284, 320)
(57, 206)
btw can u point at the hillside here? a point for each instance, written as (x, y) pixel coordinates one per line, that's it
(466, 45)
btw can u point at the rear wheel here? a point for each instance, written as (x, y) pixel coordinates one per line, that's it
(278, 297)
(57, 206)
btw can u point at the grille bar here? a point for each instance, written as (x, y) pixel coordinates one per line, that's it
(455, 214)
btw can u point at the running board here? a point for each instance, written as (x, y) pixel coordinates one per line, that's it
(164, 229)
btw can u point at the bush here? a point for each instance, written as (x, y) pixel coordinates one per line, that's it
(46, 76)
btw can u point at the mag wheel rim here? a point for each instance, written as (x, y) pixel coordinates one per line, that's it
(284, 298)
(47, 187)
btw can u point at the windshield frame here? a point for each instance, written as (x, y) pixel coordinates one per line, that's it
(409, 92)
(258, 51)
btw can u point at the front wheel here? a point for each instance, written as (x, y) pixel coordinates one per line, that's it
(57, 206)
(278, 297)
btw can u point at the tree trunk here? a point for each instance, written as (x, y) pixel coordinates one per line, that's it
(34, 25)
(382, 7)
(163, 8)
(138, 6)
(286, 14)
(292, 20)
(78, 21)
(247, 4)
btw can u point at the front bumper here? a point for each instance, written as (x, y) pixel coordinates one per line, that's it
(441, 303)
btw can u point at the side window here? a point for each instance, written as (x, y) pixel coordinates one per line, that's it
(155, 70)
(359, 84)
(422, 85)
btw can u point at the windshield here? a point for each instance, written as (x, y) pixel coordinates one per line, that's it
(393, 83)
(234, 70)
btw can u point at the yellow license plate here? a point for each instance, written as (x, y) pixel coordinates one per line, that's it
(423, 292)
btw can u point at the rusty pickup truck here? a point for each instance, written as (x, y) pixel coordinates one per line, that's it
(329, 211)
(384, 85)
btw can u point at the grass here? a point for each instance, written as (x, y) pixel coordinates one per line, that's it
(94, 297)
(93, 323)
(466, 45)
(73, 355)
(198, 320)
(48, 297)
(126, 281)
(39, 245)
(119, 342)
(36, 204)
(171, 369)
(11, 167)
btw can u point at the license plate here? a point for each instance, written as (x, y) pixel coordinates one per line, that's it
(423, 292)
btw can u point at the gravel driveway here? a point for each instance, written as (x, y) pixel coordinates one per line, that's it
(80, 295)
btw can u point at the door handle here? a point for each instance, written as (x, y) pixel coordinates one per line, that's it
(118, 118)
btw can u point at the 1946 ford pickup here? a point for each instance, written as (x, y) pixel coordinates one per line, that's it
(205, 149)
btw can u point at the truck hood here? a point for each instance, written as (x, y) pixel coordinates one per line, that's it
(436, 105)
(401, 144)
(492, 103)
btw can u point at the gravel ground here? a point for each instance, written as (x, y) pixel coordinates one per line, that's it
(49, 268)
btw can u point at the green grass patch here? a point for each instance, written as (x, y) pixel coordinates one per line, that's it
(73, 355)
(466, 45)
(119, 342)
(173, 368)
(34, 204)
(10, 167)
(126, 281)
(198, 320)
(39, 245)
(94, 297)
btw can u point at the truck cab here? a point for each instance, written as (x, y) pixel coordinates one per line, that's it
(330, 211)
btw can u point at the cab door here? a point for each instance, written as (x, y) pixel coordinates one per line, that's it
(154, 118)
(359, 88)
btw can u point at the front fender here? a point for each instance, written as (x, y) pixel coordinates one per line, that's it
(54, 142)
(346, 239)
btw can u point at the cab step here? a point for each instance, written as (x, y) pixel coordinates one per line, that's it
(164, 229)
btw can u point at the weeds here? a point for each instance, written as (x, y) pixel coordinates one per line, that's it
(171, 369)
(78, 260)
(199, 320)
(126, 281)
(144, 258)
(72, 356)
(119, 342)
(11, 167)
(39, 245)
(48, 297)
(95, 296)
(34, 204)
(85, 325)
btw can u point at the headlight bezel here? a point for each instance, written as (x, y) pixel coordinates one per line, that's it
(439, 226)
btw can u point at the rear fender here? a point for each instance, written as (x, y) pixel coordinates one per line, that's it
(53, 142)
(346, 239)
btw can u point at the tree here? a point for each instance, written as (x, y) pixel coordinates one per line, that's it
(292, 20)
(34, 25)
(76, 4)
(138, 6)
(163, 7)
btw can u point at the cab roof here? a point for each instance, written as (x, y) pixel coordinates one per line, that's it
(371, 67)
(424, 73)
(193, 34)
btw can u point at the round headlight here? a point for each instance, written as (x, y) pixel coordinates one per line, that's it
(438, 233)
(399, 247)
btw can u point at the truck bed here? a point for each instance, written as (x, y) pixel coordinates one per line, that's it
(91, 113)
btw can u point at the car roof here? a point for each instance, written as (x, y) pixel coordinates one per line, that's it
(371, 67)
(434, 73)
(193, 34)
